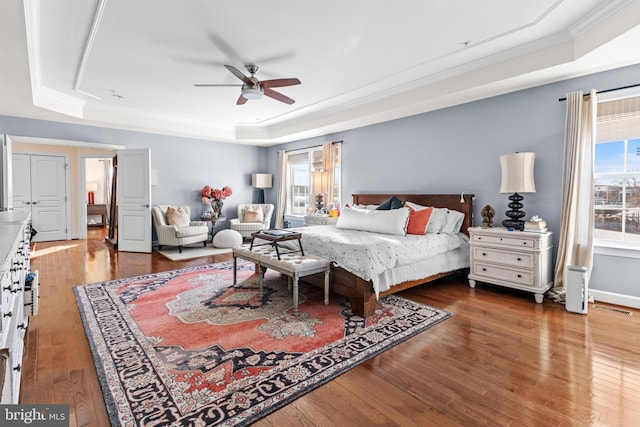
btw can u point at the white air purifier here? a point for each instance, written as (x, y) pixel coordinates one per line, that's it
(577, 292)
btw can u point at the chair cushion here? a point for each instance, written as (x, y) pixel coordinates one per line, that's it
(227, 239)
(253, 215)
(177, 216)
(192, 231)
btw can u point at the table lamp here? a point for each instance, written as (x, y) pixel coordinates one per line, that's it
(517, 177)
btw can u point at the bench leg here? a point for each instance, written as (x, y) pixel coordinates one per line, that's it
(289, 283)
(326, 286)
(295, 294)
(261, 278)
(235, 273)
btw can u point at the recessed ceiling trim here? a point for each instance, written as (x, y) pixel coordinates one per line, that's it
(88, 45)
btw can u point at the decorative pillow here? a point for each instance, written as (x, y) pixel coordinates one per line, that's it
(376, 221)
(452, 222)
(391, 203)
(178, 217)
(418, 220)
(370, 207)
(437, 220)
(253, 215)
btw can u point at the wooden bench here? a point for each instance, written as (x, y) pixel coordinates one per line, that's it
(292, 265)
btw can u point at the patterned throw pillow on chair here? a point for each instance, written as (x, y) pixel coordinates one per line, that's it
(178, 217)
(253, 215)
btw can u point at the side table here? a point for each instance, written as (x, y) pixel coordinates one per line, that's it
(211, 223)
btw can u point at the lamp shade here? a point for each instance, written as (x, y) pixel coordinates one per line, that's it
(517, 173)
(320, 182)
(261, 180)
(92, 187)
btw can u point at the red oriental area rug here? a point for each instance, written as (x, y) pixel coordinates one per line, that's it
(186, 347)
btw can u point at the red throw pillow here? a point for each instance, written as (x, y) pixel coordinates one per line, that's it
(418, 220)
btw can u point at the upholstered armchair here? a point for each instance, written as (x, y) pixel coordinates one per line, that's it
(177, 230)
(252, 218)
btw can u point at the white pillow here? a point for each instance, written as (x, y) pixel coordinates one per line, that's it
(452, 222)
(436, 222)
(393, 221)
(369, 207)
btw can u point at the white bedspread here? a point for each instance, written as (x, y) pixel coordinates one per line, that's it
(368, 255)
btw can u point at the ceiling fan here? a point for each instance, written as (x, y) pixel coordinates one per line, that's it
(252, 88)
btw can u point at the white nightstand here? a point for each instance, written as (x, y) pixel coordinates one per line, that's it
(320, 220)
(515, 259)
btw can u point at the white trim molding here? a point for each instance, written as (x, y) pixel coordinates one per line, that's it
(614, 298)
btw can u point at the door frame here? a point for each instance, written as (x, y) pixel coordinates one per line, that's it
(82, 189)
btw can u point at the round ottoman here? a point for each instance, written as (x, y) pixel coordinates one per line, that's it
(227, 239)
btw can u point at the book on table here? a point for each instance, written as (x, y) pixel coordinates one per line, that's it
(277, 232)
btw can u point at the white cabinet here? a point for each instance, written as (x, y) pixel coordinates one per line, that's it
(320, 220)
(14, 266)
(515, 259)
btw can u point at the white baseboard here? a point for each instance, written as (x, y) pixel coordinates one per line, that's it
(617, 299)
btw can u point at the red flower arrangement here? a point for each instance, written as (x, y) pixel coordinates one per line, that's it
(209, 194)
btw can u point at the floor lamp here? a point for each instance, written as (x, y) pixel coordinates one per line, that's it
(260, 181)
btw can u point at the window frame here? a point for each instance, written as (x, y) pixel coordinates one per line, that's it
(603, 246)
(315, 164)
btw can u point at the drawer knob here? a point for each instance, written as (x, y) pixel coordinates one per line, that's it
(519, 259)
(484, 269)
(519, 276)
(484, 254)
(524, 243)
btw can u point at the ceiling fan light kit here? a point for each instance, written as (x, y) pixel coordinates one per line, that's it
(252, 93)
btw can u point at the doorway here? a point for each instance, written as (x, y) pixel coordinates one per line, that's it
(97, 179)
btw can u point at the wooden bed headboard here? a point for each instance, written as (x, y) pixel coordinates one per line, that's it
(451, 201)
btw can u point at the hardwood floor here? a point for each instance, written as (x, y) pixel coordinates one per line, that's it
(500, 360)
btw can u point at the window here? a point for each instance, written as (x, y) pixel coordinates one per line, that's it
(301, 164)
(617, 172)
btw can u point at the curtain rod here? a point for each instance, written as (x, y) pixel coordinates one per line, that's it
(313, 146)
(606, 90)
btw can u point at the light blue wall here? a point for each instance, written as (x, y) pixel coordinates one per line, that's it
(183, 165)
(457, 149)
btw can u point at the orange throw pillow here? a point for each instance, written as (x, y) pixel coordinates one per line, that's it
(418, 220)
(177, 217)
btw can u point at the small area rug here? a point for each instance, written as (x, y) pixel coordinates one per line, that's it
(185, 347)
(192, 251)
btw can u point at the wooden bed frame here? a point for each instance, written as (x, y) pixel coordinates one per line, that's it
(359, 291)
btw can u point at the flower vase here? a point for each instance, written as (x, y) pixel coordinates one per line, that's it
(207, 211)
(216, 205)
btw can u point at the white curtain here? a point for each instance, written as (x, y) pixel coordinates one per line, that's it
(329, 166)
(575, 245)
(281, 202)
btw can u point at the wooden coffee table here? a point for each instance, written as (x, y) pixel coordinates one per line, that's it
(274, 237)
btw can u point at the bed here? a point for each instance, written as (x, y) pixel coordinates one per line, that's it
(359, 287)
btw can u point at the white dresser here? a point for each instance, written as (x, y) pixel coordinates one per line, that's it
(320, 220)
(15, 228)
(515, 259)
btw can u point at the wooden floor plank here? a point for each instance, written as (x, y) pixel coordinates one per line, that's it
(501, 359)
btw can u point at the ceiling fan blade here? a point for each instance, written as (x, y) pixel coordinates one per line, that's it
(215, 85)
(238, 74)
(279, 82)
(277, 95)
(241, 100)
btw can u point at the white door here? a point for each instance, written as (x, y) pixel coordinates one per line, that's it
(40, 184)
(21, 182)
(134, 200)
(48, 198)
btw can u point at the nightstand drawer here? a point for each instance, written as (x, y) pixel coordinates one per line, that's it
(513, 240)
(506, 274)
(524, 260)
